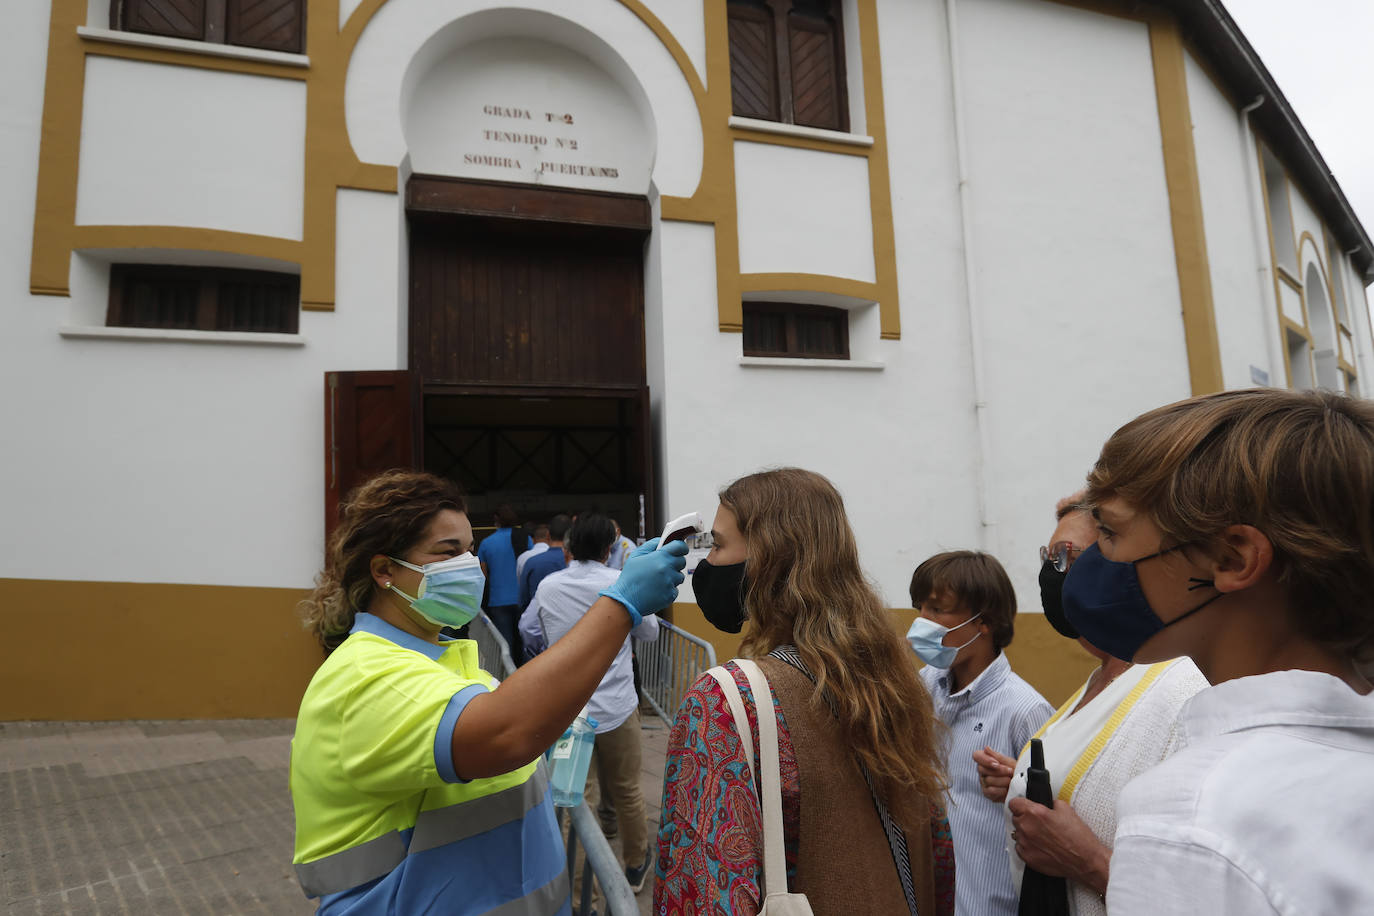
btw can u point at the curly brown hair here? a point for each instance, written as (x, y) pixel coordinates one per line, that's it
(386, 515)
(805, 589)
(1298, 466)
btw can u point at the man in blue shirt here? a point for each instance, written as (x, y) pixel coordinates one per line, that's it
(497, 553)
(540, 566)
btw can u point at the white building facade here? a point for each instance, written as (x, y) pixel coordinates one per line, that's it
(1019, 224)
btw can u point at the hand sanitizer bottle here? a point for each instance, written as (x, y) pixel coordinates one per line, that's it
(571, 756)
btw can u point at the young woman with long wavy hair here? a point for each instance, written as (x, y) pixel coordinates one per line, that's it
(862, 778)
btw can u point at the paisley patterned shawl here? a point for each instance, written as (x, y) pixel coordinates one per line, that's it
(710, 852)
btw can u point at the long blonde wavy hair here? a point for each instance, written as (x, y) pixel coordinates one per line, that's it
(387, 515)
(804, 588)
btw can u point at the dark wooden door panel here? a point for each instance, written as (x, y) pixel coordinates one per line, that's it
(370, 426)
(502, 308)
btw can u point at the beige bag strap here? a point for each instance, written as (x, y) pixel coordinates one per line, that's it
(736, 702)
(770, 799)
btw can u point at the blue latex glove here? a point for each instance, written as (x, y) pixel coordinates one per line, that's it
(649, 581)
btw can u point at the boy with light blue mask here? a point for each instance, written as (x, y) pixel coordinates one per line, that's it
(967, 607)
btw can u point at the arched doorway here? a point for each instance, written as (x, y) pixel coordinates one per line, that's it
(526, 145)
(527, 217)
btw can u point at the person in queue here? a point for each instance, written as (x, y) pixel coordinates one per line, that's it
(416, 777)
(559, 603)
(498, 553)
(539, 543)
(967, 609)
(1121, 722)
(1237, 529)
(858, 740)
(544, 564)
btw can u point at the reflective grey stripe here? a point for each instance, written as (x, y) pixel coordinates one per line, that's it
(358, 865)
(442, 826)
(547, 900)
(346, 870)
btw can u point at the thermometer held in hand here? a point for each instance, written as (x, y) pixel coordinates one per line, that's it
(680, 529)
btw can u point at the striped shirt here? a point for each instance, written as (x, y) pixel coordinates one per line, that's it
(1001, 711)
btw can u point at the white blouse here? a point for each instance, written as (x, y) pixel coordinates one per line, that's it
(1093, 752)
(1265, 808)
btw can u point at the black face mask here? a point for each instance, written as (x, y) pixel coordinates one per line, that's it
(1052, 599)
(720, 594)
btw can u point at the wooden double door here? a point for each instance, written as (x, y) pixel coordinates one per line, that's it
(526, 378)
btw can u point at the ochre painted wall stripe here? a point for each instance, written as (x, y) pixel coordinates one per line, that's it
(59, 152)
(98, 651)
(802, 283)
(187, 237)
(91, 651)
(1053, 665)
(879, 183)
(1185, 206)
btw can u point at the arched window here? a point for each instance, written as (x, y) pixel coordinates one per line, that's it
(1321, 323)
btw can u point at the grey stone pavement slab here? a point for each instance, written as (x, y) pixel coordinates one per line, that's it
(152, 818)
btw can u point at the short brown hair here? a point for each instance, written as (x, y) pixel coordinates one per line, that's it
(1298, 466)
(977, 581)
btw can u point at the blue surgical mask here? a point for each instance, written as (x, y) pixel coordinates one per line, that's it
(1104, 602)
(450, 593)
(927, 641)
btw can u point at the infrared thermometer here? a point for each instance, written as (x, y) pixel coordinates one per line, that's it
(680, 529)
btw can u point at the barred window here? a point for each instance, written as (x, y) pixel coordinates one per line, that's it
(787, 62)
(272, 25)
(790, 329)
(203, 299)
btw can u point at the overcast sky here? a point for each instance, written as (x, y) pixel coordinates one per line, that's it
(1319, 52)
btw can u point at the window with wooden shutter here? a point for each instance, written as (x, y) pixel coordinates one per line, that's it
(753, 61)
(791, 329)
(273, 25)
(203, 299)
(787, 62)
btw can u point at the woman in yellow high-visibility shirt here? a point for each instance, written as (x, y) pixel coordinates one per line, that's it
(416, 777)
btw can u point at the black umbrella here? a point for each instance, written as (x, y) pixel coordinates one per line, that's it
(1041, 895)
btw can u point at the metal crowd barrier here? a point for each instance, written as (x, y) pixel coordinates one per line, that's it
(599, 866)
(669, 665)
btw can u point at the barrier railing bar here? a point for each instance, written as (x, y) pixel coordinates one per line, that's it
(600, 864)
(669, 665)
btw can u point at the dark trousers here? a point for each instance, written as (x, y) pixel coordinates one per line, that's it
(507, 619)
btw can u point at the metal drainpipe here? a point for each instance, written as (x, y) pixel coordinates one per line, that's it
(1250, 160)
(987, 526)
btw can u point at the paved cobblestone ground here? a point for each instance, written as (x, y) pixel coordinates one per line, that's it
(153, 818)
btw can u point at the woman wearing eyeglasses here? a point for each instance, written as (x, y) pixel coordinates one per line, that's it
(1114, 727)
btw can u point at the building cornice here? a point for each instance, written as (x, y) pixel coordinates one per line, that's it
(1207, 26)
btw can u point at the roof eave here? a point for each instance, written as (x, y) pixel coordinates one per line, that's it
(1210, 28)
